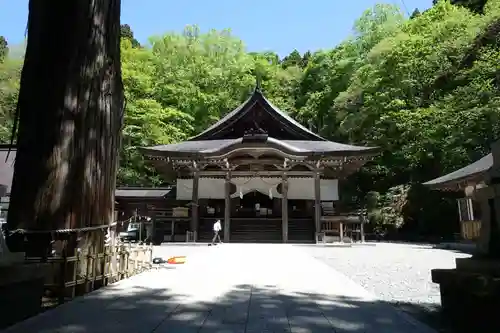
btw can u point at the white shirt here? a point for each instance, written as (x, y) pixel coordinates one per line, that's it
(217, 226)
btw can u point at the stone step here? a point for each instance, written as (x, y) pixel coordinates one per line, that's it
(261, 230)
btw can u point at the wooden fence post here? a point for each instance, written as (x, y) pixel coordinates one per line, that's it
(62, 277)
(94, 265)
(74, 277)
(127, 256)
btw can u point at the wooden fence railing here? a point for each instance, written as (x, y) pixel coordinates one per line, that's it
(80, 273)
(190, 236)
(470, 230)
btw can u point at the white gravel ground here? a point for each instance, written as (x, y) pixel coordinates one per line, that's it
(399, 274)
(166, 251)
(393, 272)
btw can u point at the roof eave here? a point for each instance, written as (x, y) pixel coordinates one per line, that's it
(224, 151)
(457, 184)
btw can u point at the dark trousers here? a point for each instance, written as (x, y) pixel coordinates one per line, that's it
(216, 236)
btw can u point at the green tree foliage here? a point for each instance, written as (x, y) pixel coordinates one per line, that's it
(181, 83)
(415, 95)
(415, 13)
(10, 73)
(329, 73)
(476, 6)
(4, 49)
(127, 33)
(293, 59)
(425, 89)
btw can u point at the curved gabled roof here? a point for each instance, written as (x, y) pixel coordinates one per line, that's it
(469, 172)
(256, 113)
(240, 111)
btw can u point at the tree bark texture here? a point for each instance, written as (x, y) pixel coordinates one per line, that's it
(70, 112)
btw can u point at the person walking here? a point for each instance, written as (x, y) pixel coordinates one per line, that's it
(217, 228)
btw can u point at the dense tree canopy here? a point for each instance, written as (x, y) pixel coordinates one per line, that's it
(425, 89)
(474, 5)
(10, 73)
(127, 33)
(3, 48)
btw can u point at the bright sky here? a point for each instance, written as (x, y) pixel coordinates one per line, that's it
(278, 25)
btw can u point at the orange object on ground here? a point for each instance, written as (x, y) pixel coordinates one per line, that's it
(177, 260)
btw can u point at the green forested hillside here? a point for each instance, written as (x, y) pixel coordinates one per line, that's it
(425, 89)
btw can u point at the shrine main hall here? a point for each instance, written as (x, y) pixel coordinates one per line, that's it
(264, 175)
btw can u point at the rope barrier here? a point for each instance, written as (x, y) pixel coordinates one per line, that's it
(24, 231)
(70, 230)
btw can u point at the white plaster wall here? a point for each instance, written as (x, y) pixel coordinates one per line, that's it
(298, 188)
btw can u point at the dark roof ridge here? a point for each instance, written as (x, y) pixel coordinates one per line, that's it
(256, 97)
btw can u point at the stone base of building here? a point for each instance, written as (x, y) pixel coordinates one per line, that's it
(470, 294)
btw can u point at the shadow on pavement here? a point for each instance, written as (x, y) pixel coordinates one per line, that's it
(428, 313)
(245, 308)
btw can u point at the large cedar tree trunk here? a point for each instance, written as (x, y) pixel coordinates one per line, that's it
(70, 113)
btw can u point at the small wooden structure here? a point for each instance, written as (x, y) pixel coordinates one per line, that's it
(260, 172)
(470, 293)
(157, 203)
(342, 228)
(467, 179)
(76, 269)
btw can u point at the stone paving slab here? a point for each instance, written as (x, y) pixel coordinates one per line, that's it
(233, 288)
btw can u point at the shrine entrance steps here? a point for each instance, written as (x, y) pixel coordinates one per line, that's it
(261, 230)
(256, 230)
(205, 228)
(301, 230)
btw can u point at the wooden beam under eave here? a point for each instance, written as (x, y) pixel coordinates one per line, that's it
(263, 173)
(331, 167)
(163, 168)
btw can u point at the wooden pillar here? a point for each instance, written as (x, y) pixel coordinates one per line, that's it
(227, 207)
(153, 226)
(172, 231)
(284, 208)
(317, 202)
(341, 232)
(362, 230)
(194, 205)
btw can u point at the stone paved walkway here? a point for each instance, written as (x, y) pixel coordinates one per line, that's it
(230, 289)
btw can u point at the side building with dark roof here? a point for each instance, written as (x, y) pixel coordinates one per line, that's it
(466, 179)
(470, 175)
(264, 175)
